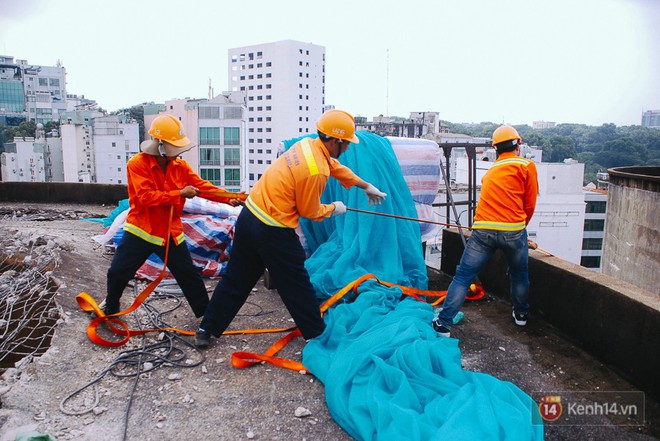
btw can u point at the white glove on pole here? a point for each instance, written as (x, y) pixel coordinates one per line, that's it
(374, 194)
(340, 208)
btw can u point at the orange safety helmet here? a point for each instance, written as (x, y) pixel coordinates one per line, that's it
(338, 124)
(506, 133)
(169, 129)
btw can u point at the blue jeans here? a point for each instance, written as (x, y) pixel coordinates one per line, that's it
(480, 247)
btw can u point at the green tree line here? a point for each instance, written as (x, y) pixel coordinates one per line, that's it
(599, 148)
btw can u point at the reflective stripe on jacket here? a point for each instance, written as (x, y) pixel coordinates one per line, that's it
(508, 194)
(151, 192)
(293, 184)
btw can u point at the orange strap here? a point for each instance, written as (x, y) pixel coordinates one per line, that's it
(246, 359)
(225, 194)
(239, 359)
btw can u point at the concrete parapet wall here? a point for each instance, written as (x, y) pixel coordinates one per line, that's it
(615, 321)
(58, 192)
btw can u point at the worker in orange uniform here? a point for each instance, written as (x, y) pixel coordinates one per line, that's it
(265, 237)
(157, 180)
(506, 205)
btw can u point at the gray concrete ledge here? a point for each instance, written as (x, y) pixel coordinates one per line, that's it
(615, 321)
(59, 192)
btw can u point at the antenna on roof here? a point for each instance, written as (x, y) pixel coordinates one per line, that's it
(210, 89)
(387, 83)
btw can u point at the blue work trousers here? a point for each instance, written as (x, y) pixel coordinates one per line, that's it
(132, 252)
(258, 246)
(480, 247)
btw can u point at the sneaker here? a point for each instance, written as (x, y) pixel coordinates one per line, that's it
(520, 318)
(440, 328)
(202, 338)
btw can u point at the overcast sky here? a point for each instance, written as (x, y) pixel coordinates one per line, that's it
(513, 61)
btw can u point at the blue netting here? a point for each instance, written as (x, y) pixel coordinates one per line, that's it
(387, 374)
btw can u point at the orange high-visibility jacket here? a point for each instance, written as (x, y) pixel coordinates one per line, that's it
(293, 184)
(508, 194)
(151, 193)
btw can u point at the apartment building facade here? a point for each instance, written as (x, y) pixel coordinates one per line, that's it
(31, 92)
(218, 127)
(284, 83)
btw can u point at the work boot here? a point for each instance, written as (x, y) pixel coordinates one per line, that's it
(440, 328)
(520, 318)
(202, 338)
(106, 311)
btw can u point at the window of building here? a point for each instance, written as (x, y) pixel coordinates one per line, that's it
(251, 88)
(260, 161)
(251, 161)
(232, 156)
(251, 109)
(268, 140)
(594, 225)
(268, 161)
(260, 130)
(590, 261)
(268, 75)
(260, 108)
(268, 108)
(211, 174)
(250, 77)
(268, 86)
(251, 56)
(209, 156)
(251, 66)
(55, 82)
(269, 64)
(242, 77)
(251, 150)
(233, 112)
(232, 136)
(260, 151)
(268, 129)
(209, 135)
(268, 118)
(259, 76)
(259, 65)
(43, 81)
(209, 112)
(259, 87)
(269, 97)
(592, 244)
(259, 55)
(251, 176)
(251, 129)
(259, 119)
(251, 119)
(596, 207)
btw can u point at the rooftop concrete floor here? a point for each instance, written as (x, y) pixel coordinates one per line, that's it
(217, 401)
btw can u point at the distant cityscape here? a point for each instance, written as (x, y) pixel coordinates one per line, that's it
(275, 92)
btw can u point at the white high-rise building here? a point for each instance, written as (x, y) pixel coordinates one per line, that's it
(96, 148)
(285, 86)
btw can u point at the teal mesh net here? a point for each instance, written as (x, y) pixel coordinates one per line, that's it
(387, 374)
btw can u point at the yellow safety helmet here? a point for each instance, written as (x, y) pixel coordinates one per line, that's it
(169, 129)
(338, 124)
(506, 133)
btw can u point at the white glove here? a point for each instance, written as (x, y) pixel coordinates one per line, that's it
(374, 194)
(340, 208)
